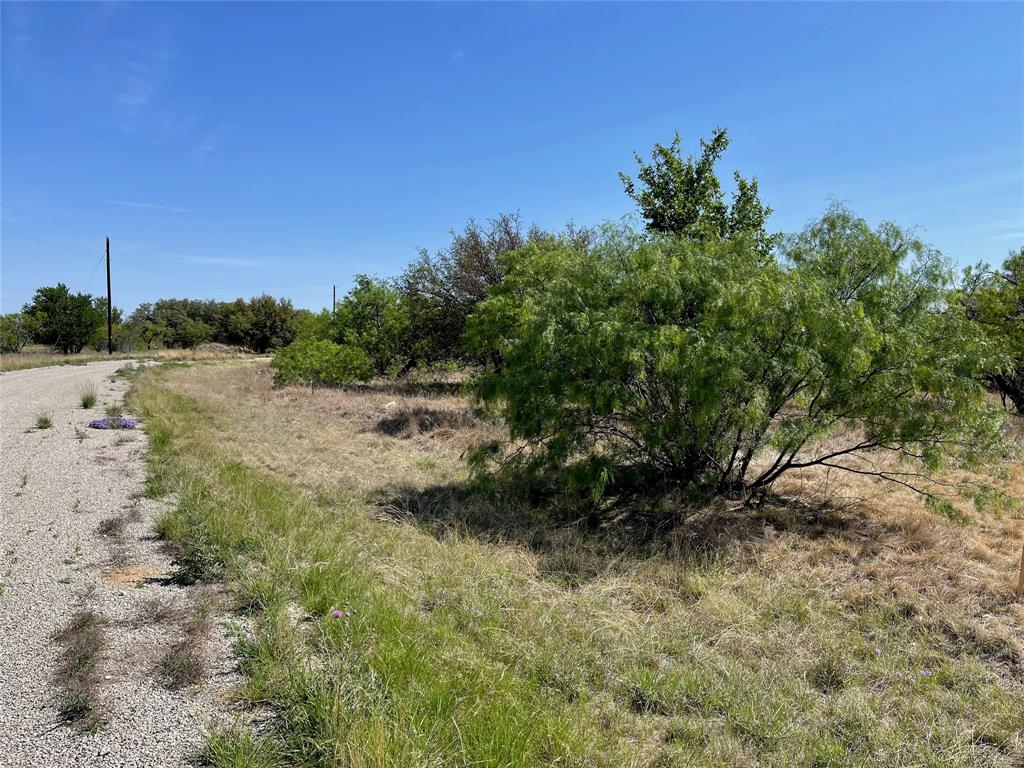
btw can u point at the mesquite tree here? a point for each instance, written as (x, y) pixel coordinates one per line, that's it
(994, 298)
(656, 364)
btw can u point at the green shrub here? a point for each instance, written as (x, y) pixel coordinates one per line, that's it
(657, 363)
(321, 363)
(373, 318)
(995, 299)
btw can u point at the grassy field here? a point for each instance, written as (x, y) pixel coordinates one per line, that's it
(39, 357)
(402, 618)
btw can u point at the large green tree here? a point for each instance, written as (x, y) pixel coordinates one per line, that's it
(657, 363)
(271, 323)
(683, 196)
(66, 321)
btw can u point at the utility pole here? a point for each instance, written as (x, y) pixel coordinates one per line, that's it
(110, 308)
(334, 299)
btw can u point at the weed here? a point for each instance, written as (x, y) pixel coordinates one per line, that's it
(79, 434)
(88, 396)
(44, 420)
(113, 526)
(185, 662)
(114, 410)
(157, 610)
(77, 675)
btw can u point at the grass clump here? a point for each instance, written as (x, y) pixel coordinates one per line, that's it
(77, 675)
(185, 662)
(236, 747)
(44, 420)
(88, 397)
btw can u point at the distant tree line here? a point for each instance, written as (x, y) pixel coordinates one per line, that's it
(70, 322)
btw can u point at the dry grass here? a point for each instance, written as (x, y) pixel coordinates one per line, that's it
(340, 438)
(838, 623)
(38, 357)
(185, 661)
(77, 676)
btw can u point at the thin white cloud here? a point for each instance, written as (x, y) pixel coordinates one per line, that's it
(1017, 235)
(152, 206)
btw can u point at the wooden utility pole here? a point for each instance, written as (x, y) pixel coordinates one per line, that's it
(334, 299)
(110, 308)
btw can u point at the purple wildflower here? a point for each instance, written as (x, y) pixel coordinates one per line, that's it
(878, 651)
(926, 673)
(337, 614)
(114, 422)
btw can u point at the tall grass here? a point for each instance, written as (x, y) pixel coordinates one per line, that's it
(88, 396)
(453, 649)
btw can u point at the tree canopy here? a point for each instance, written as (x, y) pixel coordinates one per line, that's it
(995, 299)
(683, 196)
(65, 321)
(657, 362)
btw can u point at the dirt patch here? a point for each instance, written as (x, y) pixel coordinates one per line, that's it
(132, 574)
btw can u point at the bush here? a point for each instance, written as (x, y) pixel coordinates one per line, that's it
(374, 318)
(663, 363)
(321, 363)
(995, 300)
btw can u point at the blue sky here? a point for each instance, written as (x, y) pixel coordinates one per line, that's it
(230, 149)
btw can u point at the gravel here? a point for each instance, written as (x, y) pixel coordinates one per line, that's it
(57, 486)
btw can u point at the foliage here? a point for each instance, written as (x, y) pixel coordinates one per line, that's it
(16, 330)
(664, 363)
(442, 290)
(271, 323)
(313, 326)
(995, 299)
(684, 196)
(65, 321)
(374, 318)
(321, 363)
(260, 324)
(193, 333)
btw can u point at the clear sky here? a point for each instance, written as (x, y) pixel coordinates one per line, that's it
(230, 149)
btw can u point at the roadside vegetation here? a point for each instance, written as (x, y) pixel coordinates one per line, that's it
(77, 677)
(405, 616)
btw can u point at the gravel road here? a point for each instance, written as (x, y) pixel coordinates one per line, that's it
(57, 487)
